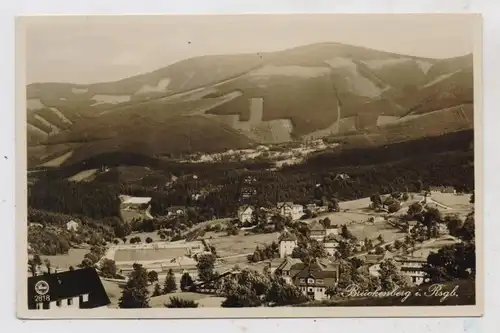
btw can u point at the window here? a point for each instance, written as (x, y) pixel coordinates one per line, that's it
(39, 306)
(70, 301)
(302, 280)
(85, 298)
(310, 280)
(58, 302)
(319, 281)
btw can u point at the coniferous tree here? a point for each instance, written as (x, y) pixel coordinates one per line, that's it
(170, 284)
(136, 294)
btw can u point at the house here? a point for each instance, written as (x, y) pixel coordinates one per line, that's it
(289, 268)
(412, 268)
(317, 231)
(316, 277)
(342, 176)
(77, 289)
(174, 211)
(442, 189)
(332, 243)
(247, 193)
(245, 214)
(443, 229)
(332, 230)
(313, 208)
(72, 226)
(287, 242)
(291, 210)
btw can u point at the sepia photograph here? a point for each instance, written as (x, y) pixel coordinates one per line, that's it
(305, 165)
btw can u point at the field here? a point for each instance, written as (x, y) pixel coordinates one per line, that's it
(433, 246)
(148, 254)
(72, 258)
(458, 204)
(228, 246)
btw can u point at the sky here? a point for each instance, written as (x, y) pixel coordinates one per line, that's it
(93, 49)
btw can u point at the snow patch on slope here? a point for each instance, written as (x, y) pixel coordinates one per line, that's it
(294, 71)
(79, 90)
(110, 99)
(61, 116)
(440, 78)
(53, 128)
(34, 104)
(160, 87)
(356, 83)
(37, 130)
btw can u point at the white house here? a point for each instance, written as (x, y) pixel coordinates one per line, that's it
(72, 226)
(287, 242)
(289, 209)
(245, 214)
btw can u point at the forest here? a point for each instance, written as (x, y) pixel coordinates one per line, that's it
(408, 166)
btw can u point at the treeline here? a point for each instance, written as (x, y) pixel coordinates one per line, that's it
(88, 199)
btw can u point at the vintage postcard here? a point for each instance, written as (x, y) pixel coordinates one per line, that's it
(207, 166)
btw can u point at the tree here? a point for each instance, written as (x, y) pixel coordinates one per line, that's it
(431, 217)
(108, 268)
(149, 240)
(32, 267)
(346, 233)
(394, 206)
(186, 281)
(397, 244)
(86, 263)
(205, 266)
(326, 222)
(472, 199)
(170, 285)
(157, 290)
(405, 196)
(344, 250)
(454, 224)
(376, 200)
(116, 241)
(301, 253)
(176, 302)
(71, 268)
(152, 276)
(281, 293)
(452, 262)
(124, 239)
(380, 238)
(379, 250)
(415, 211)
(390, 277)
(135, 293)
(333, 205)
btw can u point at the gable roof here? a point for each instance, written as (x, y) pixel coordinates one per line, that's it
(287, 203)
(319, 269)
(71, 284)
(290, 263)
(316, 226)
(244, 208)
(374, 258)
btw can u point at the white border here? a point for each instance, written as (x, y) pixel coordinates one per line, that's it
(490, 10)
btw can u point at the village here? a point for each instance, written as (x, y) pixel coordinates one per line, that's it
(304, 245)
(280, 154)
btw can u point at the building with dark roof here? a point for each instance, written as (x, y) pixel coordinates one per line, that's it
(317, 231)
(316, 277)
(77, 289)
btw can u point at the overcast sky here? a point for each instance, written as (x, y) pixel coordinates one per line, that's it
(97, 49)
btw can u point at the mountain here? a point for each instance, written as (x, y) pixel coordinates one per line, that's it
(211, 103)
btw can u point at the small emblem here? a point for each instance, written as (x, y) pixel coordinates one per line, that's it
(41, 287)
